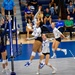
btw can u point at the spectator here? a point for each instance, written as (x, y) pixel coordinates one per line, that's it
(51, 3)
(34, 3)
(29, 27)
(55, 8)
(40, 7)
(8, 7)
(23, 2)
(74, 2)
(47, 16)
(28, 13)
(66, 1)
(60, 25)
(52, 10)
(70, 9)
(69, 25)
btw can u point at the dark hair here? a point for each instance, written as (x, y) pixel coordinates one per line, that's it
(69, 2)
(45, 34)
(28, 20)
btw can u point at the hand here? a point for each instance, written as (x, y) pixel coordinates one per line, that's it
(39, 8)
(68, 12)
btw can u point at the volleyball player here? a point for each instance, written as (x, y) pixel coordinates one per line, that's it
(37, 43)
(38, 39)
(58, 35)
(3, 45)
(46, 54)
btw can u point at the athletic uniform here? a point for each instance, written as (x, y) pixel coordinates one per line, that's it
(45, 47)
(3, 38)
(38, 40)
(57, 34)
(37, 33)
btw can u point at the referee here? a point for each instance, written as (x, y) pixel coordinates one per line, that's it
(8, 8)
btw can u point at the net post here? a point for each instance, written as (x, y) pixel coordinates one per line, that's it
(11, 49)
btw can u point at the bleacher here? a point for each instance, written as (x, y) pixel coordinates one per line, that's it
(45, 4)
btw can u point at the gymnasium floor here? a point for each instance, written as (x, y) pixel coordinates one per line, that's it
(65, 64)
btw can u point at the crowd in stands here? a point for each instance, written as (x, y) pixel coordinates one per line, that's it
(30, 9)
(45, 15)
(70, 9)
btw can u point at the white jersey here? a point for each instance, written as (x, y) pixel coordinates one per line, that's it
(36, 32)
(45, 46)
(56, 33)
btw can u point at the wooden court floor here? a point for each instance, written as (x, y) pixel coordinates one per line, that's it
(65, 66)
(22, 39)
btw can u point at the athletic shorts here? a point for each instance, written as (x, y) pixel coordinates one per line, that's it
(58, 39)
(39, 39)
(2, 48)
(45, 53)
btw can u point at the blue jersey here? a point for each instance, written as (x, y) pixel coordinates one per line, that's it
(8, 4)
(70, 8)
(60, 24)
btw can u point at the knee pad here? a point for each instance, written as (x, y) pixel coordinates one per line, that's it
(40, 53)
(33, 54)
(4, 61)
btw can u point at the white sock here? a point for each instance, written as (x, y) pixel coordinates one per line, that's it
(58, 49)
(30, 61)
(42, 61)
(63, 50)
(6, 67)
(53, 67)
(54, 54)
(3, 70)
